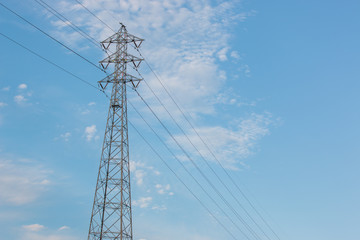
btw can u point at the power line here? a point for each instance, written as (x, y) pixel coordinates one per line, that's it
(212, 153)
(192, 128)
(184, 116)
(154, 74)
(199, 170)
(48, 35)
(52, 63)
(71, 24)
(139, 73)
(110, 13)
(86, 82)
(68, 22)
(40, 55)
(213, 171)
(187, 171)
(187, 187)
(95, 16)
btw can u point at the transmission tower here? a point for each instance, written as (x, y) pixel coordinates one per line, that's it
(111, 216)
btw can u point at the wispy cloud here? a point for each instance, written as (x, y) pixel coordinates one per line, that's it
(66, 136)
(139, 176)
(142, 202)
(159, 207)
(235, 54)
(245, 69)
(33, 227)
(22, 182)
(2, 104)
(22, 86)
(40, 232)
(90, 132)
(63, 228)
(222, 54)
(163, 189)
(184, 40)
(140, 170)
(230, 146)
(20, 99)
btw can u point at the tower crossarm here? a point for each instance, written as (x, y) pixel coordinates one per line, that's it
(125, 77)
(115, 58)
(122, 37)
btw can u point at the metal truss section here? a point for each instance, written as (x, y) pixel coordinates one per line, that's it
(125, 38)
(127, 58)
(111, 216)
(135, 81)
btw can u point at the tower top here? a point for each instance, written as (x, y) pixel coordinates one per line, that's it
(121, 57)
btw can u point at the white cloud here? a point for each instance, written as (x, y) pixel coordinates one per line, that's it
(20, 99)
(2, 104)
(143, 202)
(160, 208)
(22, 86)
(40, 232)
(63, 228)
(139, 176)
(245, 69)
(87, 111)
(22, 182)
(33, 227)
(50, 236)
(228, 97)
(222, 54)
(140, 170)
(65, 136)
(183, 40)
(230, 146)
(135, 165)
(91, 103)
(163, 189)
(235, 54)
(6, 89)
(90, 132)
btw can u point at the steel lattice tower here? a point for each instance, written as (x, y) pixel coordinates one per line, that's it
(111, 216)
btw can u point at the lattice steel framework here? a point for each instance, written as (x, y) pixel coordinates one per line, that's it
(111, 216)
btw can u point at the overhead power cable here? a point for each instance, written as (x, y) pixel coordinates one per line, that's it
(186, 186)
(52, 63)
(192, 126)
(140, 74)
(95, 16)
(186, 120)
(187, 171)
(213, 171)
(45, 58)
(53, 38)
(67, 22)
(212, 153)
(199, 170)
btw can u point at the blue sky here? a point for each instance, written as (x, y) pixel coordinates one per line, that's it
(272, 85)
